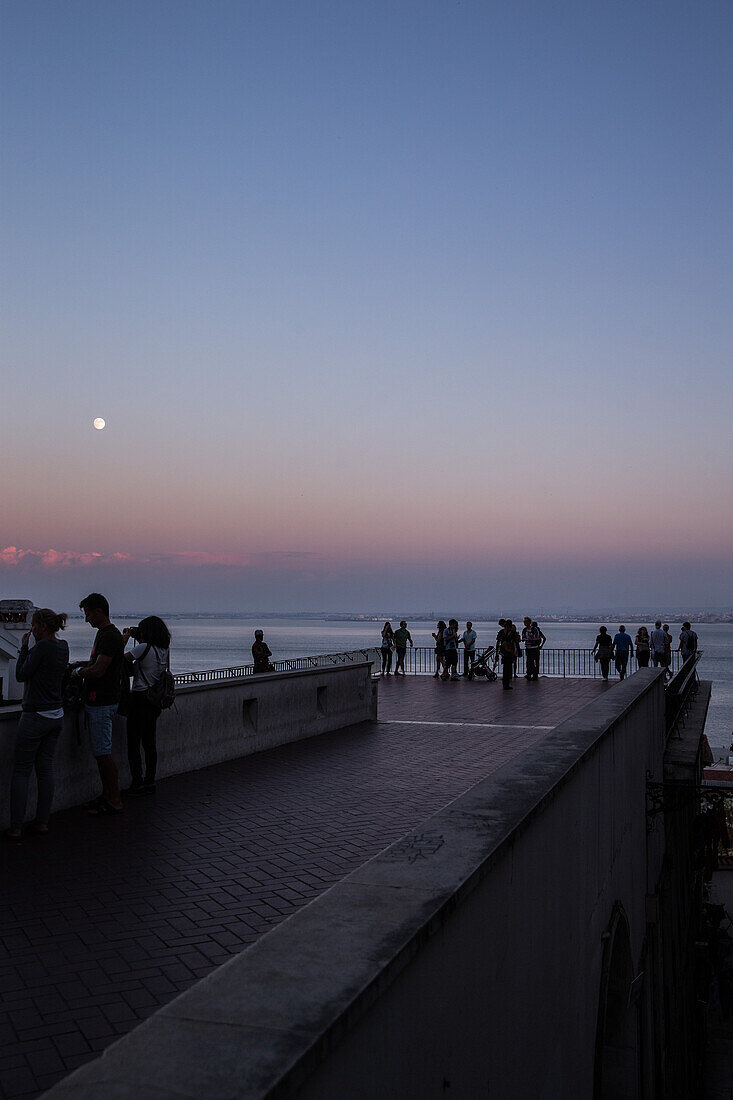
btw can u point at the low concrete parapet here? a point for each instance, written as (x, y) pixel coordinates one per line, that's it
(468, 959)
(210, 723)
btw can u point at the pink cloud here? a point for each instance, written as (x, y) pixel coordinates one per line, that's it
(53, 559)
(58, 559)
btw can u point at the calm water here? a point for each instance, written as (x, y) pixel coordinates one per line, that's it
(201, 642)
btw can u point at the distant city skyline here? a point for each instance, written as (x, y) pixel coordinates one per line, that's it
(398, 303)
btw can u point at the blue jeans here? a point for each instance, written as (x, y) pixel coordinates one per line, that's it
(36, 745)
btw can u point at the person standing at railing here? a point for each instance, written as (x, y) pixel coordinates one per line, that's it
(401, 638)
(40, 670)
(603, 651)
(623, 649)
(469, 649)
(688, 642)
(260, 653)
(533, 639)
(643, 647)
(387, 647)
(507, 645)
(439, 648)
(667, 646)
(450, 642)
(658, 642)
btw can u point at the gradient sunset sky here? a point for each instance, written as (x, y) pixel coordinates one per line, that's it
(389, 303)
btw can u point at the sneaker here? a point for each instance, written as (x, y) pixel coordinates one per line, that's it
(133, 791)
(149, 788)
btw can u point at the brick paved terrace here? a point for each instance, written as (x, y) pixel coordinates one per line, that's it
(106, 919)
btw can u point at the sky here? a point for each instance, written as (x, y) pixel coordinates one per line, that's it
(401, 303)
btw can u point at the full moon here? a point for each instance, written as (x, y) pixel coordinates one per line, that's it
(99, 423)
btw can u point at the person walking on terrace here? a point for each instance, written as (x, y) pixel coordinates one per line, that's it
(658, 642)
(507, 646)
(387, 647)
(469, 649)
(667, 647)
(401, 638)
(41, 671)
(102, 682)
(148, 658)
(260, 653)
(439, 648)
(688, 642)
(450, 642)
(534, 640)
(603, 651)
(623, 649)
(643, 647)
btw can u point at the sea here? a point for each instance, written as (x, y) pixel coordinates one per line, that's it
(209, 642)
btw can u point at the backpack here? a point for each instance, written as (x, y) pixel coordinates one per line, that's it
(162, 692)
(72, 696)
(508, 644)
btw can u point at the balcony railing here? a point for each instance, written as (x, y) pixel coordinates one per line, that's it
(418, 661)
(553, 662)
(321, 660)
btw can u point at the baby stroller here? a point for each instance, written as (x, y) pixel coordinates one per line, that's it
(483, 663)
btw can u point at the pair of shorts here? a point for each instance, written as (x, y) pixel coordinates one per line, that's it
(451, 658)
(100, 727)
(400, 652)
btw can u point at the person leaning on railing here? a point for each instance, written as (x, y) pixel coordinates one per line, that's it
(41, 671)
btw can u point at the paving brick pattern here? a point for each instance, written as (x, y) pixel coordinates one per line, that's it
(106, 920)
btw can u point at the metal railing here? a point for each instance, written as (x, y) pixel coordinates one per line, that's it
(680, 692)
(292, 664)
(420, 660)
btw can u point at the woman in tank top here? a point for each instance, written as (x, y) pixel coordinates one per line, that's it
(148, 657)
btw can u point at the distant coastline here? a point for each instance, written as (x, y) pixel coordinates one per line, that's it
(674, 616)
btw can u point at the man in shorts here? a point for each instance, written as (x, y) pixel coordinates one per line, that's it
(102, 680)
(401, 638)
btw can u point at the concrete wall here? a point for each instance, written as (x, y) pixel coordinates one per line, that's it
(466, 960)
(210, 723)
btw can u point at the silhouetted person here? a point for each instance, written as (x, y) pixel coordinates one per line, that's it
(533, 639)
(387, 647)
(102, 686)
(439, 648)
(149, 657)
(688, 641)
(261, 652)
(507, 646)
(623, 649)
(643, 647)
(658, 642)
(469, 649)
(604, 649)
(401, 638)
(450, 644)
(41, 671)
